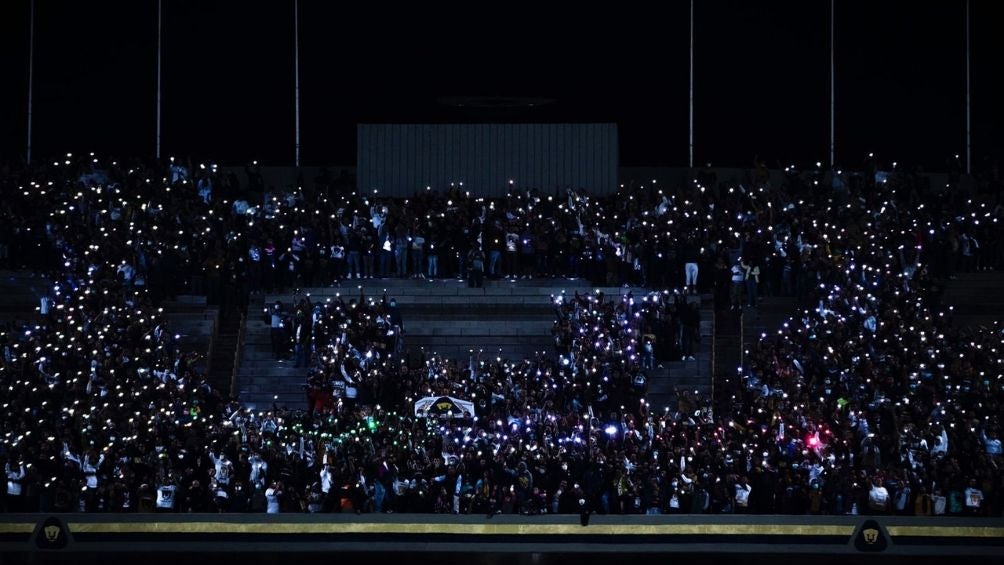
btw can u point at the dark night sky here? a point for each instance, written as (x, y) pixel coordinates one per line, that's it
(762, 72)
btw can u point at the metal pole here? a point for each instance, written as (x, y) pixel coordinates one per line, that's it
(31, 75)
(832, 85)
(160, 15)
(296, 72)
(969, 131)
(691, 143)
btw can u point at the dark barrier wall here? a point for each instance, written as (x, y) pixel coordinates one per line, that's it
(400, 159)
(377, 534)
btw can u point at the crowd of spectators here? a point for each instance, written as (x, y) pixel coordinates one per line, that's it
(869, 400)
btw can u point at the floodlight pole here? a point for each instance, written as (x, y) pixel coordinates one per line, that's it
(296, 73)
(691, 141)
(969, 130)
(31, 75)
(833, 162)
(160, 16)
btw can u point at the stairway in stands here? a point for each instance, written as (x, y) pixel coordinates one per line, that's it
(728, 352)
(195, 323)
(445, 317)
(737, 332)
(504, 319)
(225, 345)
(767, 317)
(977, 298)
(261, 379)
(188, 317)
(694, 375)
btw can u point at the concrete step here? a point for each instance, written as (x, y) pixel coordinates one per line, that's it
(466, 299)
(250, 355)
(267, 386)
(174, 316)
(478, 328)
(264, 402)
(680, 381)
(463, 353)
(398, 282)
(298, 375)
(479, 341)
(204, 328)
(223, 357)
(707, 326)
(415, 313)
(447, 289)
(700, 356)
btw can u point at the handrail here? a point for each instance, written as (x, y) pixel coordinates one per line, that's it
(742, 338)
(238, 353)
(213, 336)
(714, 352)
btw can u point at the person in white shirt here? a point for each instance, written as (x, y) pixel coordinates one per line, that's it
(940, 443)
(991, 443)
(736, 289)
(88, 465)
(939, 503)
(178, 172)
(44, 304)
(272, 496)
(90, 469)
(417, 255)
(127, 272)
(259, 469)
(15, 476)
(327, 479)
(878, 498)
(166, 495)
(205, 187)
(743, 490)
(275, 330)
(223, 467)
(378, 215)
(241, 206)
(973, 498)
(673, 504)
(220, 495)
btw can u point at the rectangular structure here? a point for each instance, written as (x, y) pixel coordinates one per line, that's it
(402, 159)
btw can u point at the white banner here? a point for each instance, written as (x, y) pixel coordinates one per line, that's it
(443, 407)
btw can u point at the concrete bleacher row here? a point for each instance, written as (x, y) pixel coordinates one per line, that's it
(188, 317)
(511, 319)
(494, 328)
(506, 318)
(450, 293)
